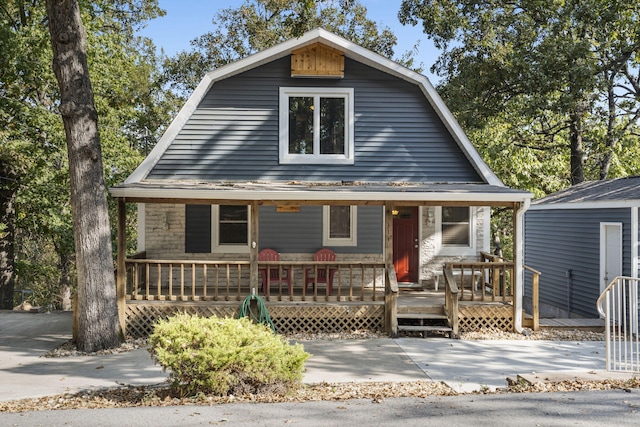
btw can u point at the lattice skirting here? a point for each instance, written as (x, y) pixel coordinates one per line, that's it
(328, 319)
(140, 317)
(474, 317)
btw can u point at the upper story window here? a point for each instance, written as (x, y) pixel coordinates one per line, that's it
(316, 125)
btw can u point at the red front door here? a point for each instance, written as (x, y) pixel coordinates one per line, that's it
(405, 243)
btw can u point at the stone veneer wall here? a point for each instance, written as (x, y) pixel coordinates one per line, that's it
(431, 261)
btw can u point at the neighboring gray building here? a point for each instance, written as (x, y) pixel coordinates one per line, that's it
(580, 239)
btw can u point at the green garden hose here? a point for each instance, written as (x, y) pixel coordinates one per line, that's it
(262, 315)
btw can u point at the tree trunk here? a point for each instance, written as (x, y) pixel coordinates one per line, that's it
(8, 189)
(65, 282)
(98, 325)
(610, 138)
(577, 151)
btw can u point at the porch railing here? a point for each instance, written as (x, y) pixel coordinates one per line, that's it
(619, 306)
(391, 301)
(535, 297)
(180, 280)
(451, 301)
(489, 279)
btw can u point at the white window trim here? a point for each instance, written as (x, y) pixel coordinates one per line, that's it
(452, 250)
(216, 247)
(351, 241)
(342, 159)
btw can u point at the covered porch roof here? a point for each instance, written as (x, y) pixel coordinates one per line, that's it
(322, 193)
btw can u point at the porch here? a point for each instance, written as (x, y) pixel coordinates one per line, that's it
(364, 295)
(365, 291)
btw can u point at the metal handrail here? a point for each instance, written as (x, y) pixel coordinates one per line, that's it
(619, 305)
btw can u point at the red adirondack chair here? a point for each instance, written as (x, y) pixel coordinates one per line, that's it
(273, 271)
(324, 274)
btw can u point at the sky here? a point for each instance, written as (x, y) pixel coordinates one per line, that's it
(187, 19)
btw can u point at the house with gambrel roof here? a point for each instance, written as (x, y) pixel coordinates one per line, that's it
(314, 144)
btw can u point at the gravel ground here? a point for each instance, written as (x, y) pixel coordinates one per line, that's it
(161, 396)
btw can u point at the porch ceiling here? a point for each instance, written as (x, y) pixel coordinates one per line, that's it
(309, 193)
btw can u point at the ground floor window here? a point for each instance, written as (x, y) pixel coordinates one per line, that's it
(455, 230)
(339, 226)
(456, 226)
(217, 228)
(231, 232)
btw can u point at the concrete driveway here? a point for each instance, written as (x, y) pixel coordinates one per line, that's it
(463, 365)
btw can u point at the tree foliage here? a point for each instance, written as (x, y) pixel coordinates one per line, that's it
(552, 81)
(260, 24)
(133, 111)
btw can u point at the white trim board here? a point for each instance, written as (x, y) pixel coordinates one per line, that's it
(604, 204)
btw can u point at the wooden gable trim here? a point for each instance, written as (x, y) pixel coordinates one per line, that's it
(317, 60)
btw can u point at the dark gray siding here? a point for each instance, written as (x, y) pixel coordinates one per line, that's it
(301, 232)
(559, 240)
(233, 134)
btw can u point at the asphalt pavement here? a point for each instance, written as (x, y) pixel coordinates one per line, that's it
(589, 408)
(465, 366)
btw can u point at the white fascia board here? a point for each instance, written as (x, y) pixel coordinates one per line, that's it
(272, 195)
(603, 204)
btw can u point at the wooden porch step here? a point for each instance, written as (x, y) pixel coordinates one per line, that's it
(424, 322)
(424, 328)
(421, 310)
(422, 316)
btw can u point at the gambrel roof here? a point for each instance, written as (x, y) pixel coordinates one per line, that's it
(146, 178)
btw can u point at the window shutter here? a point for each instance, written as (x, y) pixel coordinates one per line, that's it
(197, 229)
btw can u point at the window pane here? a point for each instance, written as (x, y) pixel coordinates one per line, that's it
(232, 213)
(455, 226)
(332, 125)
(233, 225)
(340, 222)
(233, 233)
(455, 234)
(301, 125)
(455, 214)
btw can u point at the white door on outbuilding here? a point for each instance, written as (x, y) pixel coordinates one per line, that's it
(610, 252)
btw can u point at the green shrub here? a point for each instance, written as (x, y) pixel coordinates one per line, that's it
(225, 356)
